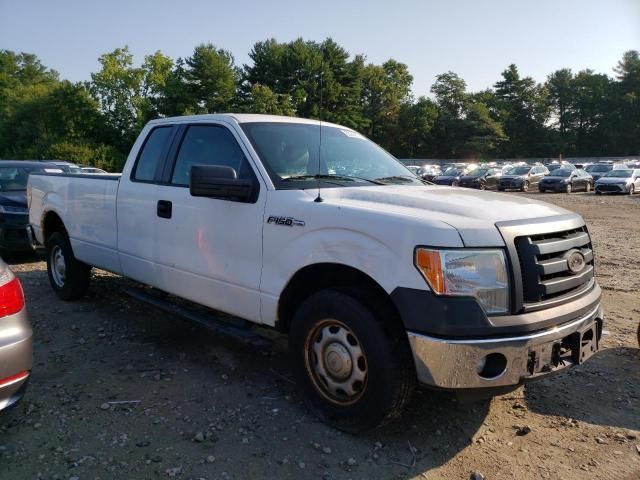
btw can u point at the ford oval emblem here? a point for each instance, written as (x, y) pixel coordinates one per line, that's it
(575, 261)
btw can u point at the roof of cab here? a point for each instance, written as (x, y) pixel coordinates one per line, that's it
(243, 118)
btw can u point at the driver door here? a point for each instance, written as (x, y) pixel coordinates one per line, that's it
(210, 250)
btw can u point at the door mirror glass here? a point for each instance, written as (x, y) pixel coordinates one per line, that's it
(222, 182)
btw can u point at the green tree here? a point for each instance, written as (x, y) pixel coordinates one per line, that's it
(385, 88)
(117, 86)
(627, 104)
(524, 111)
(210, 79)
(561, 88)
(261, 99)
(415, 122)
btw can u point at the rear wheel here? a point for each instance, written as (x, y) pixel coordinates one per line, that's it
(68, 276)
(354, 370)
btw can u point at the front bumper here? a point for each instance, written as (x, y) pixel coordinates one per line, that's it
(457, 364)
(612, 188)
(556, 187)
(514, 185)
(16, 356)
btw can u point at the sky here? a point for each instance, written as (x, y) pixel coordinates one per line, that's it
(477, 39)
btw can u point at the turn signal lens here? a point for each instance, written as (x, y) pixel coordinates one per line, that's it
(430, 265)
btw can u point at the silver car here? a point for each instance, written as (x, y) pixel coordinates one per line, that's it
(16, 343)
(619, 181)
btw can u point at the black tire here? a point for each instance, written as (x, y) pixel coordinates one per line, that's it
(68, 277)
(501, 189)
(598, 192)
(376, 354)
(525, 186)
(569, 189)
(483, 186)
(542, 190)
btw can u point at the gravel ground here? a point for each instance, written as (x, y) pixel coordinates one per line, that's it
(123, 391)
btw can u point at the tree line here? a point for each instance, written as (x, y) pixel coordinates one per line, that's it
(95, 122)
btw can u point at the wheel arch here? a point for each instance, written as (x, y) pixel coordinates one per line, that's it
(320, 276)
(51, 223)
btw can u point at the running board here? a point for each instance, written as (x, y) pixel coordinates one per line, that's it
(235, 328)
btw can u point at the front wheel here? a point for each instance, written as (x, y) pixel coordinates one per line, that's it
(632, 190)
(355, 371)
(68, 276)
(568, 189)
(525, 187)
(455, 184)
(588, 187)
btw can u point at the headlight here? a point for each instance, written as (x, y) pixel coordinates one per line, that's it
(7, 209)
(481, 274)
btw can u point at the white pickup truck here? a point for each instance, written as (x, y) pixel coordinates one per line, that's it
(381, 282)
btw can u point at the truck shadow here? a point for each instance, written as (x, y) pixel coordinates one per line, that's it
(17, 258)
(612, 380)
(433, 429)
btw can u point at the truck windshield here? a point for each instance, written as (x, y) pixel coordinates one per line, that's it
(290, 152)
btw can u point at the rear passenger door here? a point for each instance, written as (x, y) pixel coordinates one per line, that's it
(209, 250)
(136, 206)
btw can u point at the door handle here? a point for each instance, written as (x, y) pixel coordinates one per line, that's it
(164, 208)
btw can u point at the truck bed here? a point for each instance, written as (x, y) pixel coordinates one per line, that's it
(90, 200)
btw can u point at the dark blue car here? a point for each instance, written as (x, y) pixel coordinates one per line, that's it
(14, 211)
(451, 176)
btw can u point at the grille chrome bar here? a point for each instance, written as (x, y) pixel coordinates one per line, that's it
(536, 250)
(556, 244)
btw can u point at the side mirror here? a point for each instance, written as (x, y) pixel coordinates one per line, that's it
(216, 181)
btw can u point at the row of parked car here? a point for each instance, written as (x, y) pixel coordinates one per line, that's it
(605, 177)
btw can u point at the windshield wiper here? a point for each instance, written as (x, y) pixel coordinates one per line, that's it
(402, 178)
(331, 176)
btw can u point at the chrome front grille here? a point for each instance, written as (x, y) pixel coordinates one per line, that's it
(544, 264)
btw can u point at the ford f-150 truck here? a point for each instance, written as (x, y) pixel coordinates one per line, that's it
(380, 281)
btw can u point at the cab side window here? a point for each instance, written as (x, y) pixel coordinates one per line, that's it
(151, 154)
(209, 145)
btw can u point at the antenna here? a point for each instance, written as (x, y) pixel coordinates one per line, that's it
(319, 198)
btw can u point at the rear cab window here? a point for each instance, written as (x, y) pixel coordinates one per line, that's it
(152, 154)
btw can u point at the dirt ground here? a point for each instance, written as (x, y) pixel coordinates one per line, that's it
(123, 391)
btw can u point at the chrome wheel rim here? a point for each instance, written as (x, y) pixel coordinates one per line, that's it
(58, 266)
(336, 362)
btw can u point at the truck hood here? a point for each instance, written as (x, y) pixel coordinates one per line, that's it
(472, 213)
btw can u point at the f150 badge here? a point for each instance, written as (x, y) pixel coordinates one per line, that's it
(286, 221)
